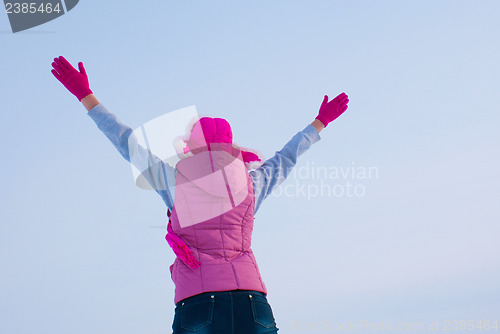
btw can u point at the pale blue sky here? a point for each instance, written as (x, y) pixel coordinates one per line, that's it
(77, 251)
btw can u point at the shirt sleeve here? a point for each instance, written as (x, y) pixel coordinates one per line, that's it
(276, 169)
(157, 173)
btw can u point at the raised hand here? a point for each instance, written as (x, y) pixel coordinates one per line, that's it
(76, 82)
(329, 111)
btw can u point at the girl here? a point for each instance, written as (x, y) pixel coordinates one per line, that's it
(218, 189)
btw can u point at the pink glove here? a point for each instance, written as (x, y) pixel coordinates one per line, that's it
(329, 111)
(76, 82)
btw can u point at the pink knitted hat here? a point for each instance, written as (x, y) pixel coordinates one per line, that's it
(216, 134)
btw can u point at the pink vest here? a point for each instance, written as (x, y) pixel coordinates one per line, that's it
(216, 224)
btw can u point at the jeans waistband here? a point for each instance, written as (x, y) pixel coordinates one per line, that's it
(203, 295)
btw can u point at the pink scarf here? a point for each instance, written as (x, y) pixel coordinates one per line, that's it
(179, 247)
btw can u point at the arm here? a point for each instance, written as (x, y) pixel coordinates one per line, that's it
(276, 169)
(89, 102)
(153, 169)
(157, 173)
(318, 125)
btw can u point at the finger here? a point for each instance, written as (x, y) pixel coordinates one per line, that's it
(82, 69)
(325, 99)
(344, 100)
(65, 63)
(343, 97)
(58, 77)
(58, 68)
(61, 66)
(339, 97)
(344, 108)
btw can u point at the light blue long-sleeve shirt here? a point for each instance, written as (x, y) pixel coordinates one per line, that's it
(161, 176)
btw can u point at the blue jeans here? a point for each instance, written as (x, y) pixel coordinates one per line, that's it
(224, 312)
